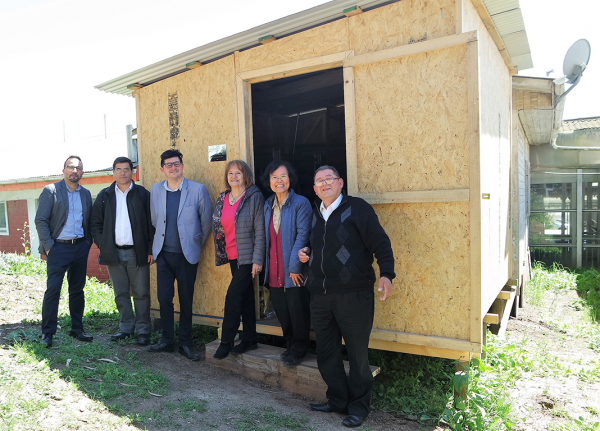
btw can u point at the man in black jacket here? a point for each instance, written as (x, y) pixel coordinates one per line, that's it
(345, 235)
(123, 232)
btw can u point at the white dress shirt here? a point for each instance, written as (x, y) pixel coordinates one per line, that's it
(123, 235)
(326, 212)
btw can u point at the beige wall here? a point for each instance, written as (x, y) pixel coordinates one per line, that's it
(412, 129)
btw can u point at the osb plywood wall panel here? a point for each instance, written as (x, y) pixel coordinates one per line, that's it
(326, 39)
(207, 113)
(432, 287)
(396, 24)
(495, 125)
(411, 122)
(401, 23)
(530, 100)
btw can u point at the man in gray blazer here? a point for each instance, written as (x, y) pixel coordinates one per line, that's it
(182, 216)
(62, 222)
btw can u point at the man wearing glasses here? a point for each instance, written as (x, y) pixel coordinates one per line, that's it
(182, 215)
(62, 223)
(346, 234)
(123, 231)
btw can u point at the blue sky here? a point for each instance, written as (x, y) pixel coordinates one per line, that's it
(53, 52)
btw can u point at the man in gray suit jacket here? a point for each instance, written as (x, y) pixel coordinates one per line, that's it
(182, 215)
(62, 222)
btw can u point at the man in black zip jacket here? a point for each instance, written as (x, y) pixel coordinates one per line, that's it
(345, 235)
(123, 231)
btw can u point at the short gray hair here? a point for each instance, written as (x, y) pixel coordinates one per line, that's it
(324, 168)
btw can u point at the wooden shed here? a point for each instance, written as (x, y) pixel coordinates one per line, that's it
(410, 99)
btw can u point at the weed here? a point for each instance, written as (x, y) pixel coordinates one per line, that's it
(268, 419)
(588, 286)
(411, 385)
(581, 424)
(554, 280)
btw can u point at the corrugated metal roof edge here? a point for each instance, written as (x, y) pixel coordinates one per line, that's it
(581, 119)
(88, 174)
(282, 27)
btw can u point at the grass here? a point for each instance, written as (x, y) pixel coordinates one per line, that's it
(268, 419)
(426, 389)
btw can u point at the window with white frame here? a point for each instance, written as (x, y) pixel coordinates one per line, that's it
(3, 219)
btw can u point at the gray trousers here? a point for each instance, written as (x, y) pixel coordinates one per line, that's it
(128, 275)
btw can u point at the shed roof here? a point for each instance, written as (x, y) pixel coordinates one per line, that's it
(580, 124)
(505, 14)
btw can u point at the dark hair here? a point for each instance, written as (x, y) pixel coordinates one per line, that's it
(324, 168)
(122, 160)
(246, 172)
(170, 154)
(273, 166)
(69, 158)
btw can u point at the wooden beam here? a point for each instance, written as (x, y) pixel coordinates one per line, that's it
(244, 103)
(350, 117)
(492, 319)
(537, 85)
(491, 28)
(267, 39)
(425, 340)
(351, 11)
(419, 350)
(512, 282)
(413, 48)
(505, 295)
(414, 196)
(134, 86)
(476, 334)
(294, 68)
(193, 65)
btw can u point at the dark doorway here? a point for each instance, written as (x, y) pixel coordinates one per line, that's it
(301, 120)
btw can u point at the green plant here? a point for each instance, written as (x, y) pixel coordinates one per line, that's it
(588, 286)
(581, 424)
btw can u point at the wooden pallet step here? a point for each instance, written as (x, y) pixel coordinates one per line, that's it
(264, 365)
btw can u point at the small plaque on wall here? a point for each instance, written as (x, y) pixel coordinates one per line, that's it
(217, 153)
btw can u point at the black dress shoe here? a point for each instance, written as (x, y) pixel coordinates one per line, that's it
(47, 340)
(353, 421)
(189, 353)
(120, 336)
(81, 336)
(325, 408)
(223, 351)
(288, 349)
(161, 347)
(244, 346)
(143, 339)
(291, 360)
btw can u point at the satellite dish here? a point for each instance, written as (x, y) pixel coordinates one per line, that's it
(576, 60)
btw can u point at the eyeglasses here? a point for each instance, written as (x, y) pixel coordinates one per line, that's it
(328, 180)
(173, 165)
(119, 170)
(73, 168)
(274, 179)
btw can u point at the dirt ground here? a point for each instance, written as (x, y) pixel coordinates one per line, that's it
(560, 393)
(230, 398)
(233, 400)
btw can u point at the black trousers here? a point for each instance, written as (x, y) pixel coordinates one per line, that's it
(292, 305)
(70, 259)
(171, 267)
(239, 301)
(348, 315)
